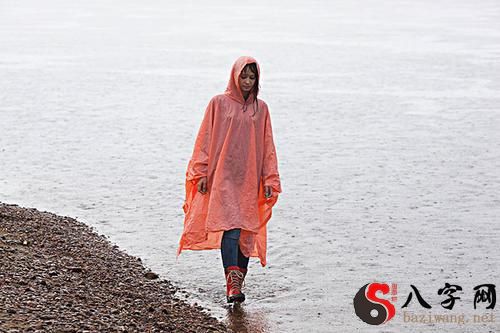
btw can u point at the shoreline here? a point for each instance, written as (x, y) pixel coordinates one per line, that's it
(58, 274)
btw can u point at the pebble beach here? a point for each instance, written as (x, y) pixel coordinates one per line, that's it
(58, 275)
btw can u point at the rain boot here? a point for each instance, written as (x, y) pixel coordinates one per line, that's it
(244, 271)
(234, 280)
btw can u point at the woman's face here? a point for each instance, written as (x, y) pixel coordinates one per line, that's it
(246, 80)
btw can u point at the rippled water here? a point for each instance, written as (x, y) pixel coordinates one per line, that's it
(386, 120)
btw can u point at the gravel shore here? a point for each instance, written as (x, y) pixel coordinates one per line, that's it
(58, 275)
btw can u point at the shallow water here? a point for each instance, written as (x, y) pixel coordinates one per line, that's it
(386, 120)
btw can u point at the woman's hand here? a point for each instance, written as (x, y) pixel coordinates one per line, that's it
(268, 191)
(202, 185)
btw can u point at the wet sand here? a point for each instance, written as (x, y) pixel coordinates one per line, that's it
(58, 275)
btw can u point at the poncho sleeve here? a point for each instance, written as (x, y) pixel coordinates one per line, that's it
(198, 164)
(270, 174)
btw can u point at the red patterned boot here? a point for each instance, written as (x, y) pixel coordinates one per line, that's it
(234, 280)
(244, 271)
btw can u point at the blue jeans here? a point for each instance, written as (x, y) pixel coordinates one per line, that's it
(230, 250)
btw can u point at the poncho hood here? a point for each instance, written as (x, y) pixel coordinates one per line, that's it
(233, 88)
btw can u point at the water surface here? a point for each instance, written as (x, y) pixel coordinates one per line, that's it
(386, 121)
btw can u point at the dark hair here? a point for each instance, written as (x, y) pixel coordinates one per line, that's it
(253, 67)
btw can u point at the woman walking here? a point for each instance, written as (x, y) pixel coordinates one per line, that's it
(232, 179)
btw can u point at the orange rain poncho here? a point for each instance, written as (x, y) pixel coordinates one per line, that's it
(234, 149)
